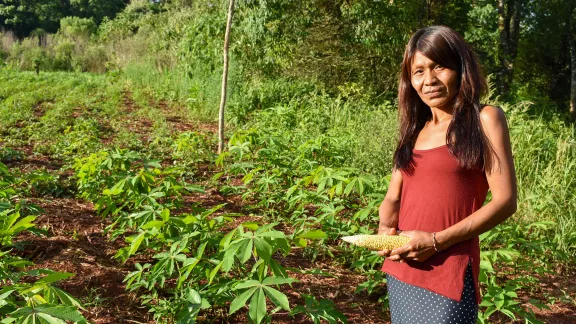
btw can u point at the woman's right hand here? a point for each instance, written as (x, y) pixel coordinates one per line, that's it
(389, 231)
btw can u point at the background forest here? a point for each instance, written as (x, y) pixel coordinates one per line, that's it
(107, 140)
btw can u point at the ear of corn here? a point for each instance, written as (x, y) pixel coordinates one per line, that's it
(377, 242)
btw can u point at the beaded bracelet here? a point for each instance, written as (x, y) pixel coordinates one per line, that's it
(435, 242)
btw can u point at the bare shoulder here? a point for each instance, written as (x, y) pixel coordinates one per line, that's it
(495, 128)
(492, 118)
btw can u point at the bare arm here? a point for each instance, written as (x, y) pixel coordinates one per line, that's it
(390, 206)
(501, 178)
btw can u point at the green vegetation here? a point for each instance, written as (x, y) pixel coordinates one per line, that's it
(122, 110)
(27, 295)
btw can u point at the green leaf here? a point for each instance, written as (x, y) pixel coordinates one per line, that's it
(116, 189)
(486, 266)
(512, 294)
(23, 224)
(153, 224)
(277, 269)
(277, 297)
(263, 249)
(136, 244)
(499, 301)
(5, 295)
(228, 258)
(278, 281)
(194, 297)
(508, 313)
(66, 298)
(49, 319)
(53, 277)
(313, 235)
(247, 284)
(257, 310)
(301, 242)
(246, 250)
(240, 300)
(214, 272)
(21, 312)
(274, 234)
(225, 241)
(67, 313)
(165, 214)
(485, 303)
(251, 225)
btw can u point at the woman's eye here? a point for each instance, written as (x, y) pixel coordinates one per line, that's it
(418, 72)
(439, 67)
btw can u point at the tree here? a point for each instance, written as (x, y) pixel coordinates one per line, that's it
(224, 79)
(96, 9)
(573, 63)
(509, 16)
(24, 16)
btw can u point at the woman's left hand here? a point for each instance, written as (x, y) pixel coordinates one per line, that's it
(419, 248)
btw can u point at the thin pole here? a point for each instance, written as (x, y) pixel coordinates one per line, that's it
(224, 79)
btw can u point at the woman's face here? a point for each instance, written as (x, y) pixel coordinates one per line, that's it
(436, 85)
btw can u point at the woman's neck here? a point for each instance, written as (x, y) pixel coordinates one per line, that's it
(440, 115)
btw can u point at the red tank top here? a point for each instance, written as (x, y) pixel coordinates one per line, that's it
(437, 194)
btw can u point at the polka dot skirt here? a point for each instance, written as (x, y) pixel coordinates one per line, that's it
(412, 305)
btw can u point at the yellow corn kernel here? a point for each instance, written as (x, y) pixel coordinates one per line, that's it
(377, 242)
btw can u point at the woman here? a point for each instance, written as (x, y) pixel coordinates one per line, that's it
(451, 150)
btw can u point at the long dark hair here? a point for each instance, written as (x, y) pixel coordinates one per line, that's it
(465, 138)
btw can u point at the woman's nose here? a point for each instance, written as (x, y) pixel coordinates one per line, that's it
(430, 77)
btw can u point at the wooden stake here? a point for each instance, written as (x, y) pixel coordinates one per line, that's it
(224, 79)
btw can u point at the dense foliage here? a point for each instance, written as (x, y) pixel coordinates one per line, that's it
(525, 45)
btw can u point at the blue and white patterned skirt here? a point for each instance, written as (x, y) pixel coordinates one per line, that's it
(414, 305)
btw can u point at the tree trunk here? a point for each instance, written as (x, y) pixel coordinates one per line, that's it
(224, 79)
(572, 41)
(509, 16)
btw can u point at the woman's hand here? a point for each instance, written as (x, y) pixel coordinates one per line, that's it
(389, 231)
(419, 248)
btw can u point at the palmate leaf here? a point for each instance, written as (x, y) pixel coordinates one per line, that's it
(48, 313)
(44, 282)
(258, 291)
(319, 310)
(194, 303)
(68, 313)
(66, 298)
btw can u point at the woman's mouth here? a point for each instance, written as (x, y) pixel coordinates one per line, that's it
(433, 93)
